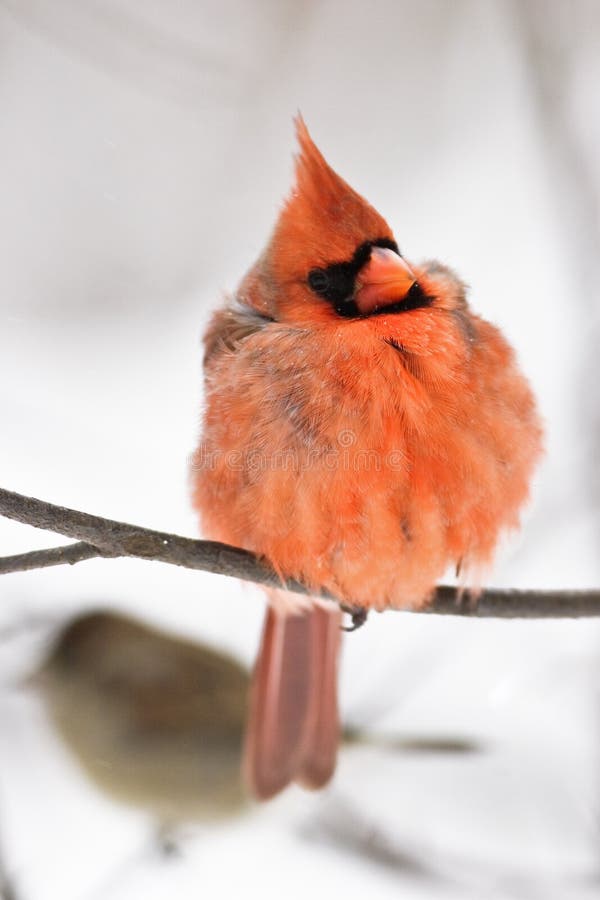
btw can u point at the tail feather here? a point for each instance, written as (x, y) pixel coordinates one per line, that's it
(322, 733)
(293, 727)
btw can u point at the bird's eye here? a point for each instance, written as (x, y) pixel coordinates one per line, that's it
(318, 281)
(335, 283)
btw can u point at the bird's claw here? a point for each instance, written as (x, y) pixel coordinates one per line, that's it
(358, 614)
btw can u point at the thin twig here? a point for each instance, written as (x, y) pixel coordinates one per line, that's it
(106, 538)
(54, 556)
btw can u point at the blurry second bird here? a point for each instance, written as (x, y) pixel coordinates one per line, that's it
(156, 721)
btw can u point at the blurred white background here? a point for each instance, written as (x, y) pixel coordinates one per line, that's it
(144, 150)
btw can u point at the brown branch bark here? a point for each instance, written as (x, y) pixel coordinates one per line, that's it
(99, 537)
(54, 556)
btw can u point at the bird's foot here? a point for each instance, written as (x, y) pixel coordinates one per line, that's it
(358, 615)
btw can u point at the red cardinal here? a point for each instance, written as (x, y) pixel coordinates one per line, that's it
(363, 430)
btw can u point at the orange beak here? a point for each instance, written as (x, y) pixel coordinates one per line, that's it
(384, 280)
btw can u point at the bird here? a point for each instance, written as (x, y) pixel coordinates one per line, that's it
(156, 721)
(363, 431)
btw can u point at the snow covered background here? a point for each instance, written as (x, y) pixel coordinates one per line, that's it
(144, 148)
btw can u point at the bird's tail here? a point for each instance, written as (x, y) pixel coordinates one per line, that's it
(293, 726)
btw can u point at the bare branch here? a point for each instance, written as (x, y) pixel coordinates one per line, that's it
(54, 556)
(98, 537)
(105, 537)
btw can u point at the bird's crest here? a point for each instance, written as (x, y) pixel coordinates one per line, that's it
(323, 214)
